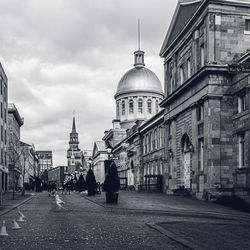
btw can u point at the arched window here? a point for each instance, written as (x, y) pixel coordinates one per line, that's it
(117, 109)
(131, 106)
(156, 106)
(140, 107)
(123, 107)
(149, 106)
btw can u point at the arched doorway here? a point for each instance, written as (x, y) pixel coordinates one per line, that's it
(186, 157)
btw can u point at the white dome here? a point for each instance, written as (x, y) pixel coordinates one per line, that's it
(139, 79)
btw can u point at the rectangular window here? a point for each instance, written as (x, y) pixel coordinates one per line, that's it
(170, 129)
(1, 82)
(152, 142)
(1, 110)
(201, 154)
(247, 25)
(123, 107)
(117, 110)
(146, 144)
(171, 84)
(181, 75)
(5, 93)
(202, 55)
(131, 107)
(188, 68)
(149, 106)
(140, 103)
(156, 139)
(241, 143)
(241, 103)
(1, 133)
(160, 137)
(2, 155)
(200, 112)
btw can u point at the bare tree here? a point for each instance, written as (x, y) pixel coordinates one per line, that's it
(15, 152)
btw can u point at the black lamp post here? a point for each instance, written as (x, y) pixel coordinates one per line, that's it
(109, 150)
(90, 163)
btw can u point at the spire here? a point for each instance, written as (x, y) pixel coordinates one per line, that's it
(139, 55)
(74, 125)
(139, 38)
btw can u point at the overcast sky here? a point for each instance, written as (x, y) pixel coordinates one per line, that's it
(62, 56)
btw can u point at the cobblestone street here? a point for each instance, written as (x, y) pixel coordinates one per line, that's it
(88, 223)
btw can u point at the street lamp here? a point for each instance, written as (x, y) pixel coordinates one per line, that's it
(90, 163)
(109, 150)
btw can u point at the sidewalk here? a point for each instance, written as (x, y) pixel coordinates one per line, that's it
(9, 203)
(159, 202)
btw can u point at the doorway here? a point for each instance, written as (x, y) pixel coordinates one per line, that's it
(186, 161)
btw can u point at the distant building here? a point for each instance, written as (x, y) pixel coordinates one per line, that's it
(4, 172)
(87, 155)
(56, 175)
(29, 164)
(99, 156)
(14, 150)
(74, 154)
(45, 160)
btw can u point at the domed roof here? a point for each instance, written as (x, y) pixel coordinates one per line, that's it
(139, 79)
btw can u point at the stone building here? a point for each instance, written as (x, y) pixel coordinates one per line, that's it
(154, 157)
(29, 164)
(206, 108)
(98, 161)
(45, 160)
(14, 151)
(74, 154)
(87, 155)
(137, 97)
(56, 175)
(4, 172)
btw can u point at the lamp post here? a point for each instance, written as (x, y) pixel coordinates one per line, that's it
(90, 163)
(109, 150)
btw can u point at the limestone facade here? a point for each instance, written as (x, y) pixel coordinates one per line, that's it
(206, 109)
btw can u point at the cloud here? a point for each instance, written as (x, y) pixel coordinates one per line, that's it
(65, 55)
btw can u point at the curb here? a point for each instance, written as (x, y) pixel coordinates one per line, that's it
(95, 202)
(177, 238)
(187, 213)
(7, 210)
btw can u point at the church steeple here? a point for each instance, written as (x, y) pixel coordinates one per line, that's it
(139, 54)
(73, 140)
(74, 153)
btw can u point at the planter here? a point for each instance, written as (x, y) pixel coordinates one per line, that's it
(112, 198)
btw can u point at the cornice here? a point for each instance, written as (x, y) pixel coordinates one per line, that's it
(193, 81)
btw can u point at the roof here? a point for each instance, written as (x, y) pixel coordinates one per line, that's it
(13, 110)
(24, 144)
(100, 145)
(184, 11)
(139, 79)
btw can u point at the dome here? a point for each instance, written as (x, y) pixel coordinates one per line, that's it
(139, 79)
